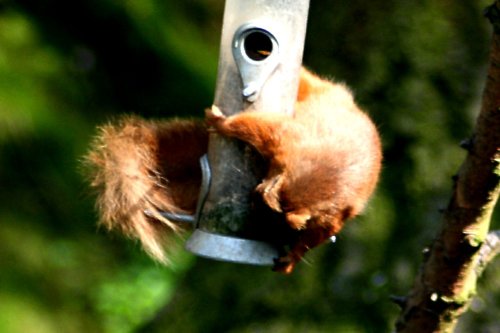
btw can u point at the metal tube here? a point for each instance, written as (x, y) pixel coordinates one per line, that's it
(260, 56)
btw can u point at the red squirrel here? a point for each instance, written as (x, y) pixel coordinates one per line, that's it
(324, 163)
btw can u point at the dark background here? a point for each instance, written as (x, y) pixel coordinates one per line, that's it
(418, 67)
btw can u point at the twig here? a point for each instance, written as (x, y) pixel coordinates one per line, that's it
(489, 250)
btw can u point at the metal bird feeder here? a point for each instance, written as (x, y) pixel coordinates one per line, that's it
(260, 57)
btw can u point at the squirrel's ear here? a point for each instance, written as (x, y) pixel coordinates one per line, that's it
(298, 219)
(270, 190)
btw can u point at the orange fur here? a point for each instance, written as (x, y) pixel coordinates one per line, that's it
(324, 163)
(138, 165)
(324, 160)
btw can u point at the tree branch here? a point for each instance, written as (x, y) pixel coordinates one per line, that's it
(461, 250)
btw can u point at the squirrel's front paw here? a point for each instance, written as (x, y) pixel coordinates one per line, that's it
(214, 115)
(284, 264)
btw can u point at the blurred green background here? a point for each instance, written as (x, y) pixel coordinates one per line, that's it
(418, 67)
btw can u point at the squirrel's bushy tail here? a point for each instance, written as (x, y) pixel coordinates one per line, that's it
(140, 168)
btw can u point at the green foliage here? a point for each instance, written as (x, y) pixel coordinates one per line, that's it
(133, 296)
(416, 66)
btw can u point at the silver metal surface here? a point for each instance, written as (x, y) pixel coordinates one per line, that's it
(206, 179)
(235, 170)
(286, 21)
(231, 249)
(179, 218)
(255, 72)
